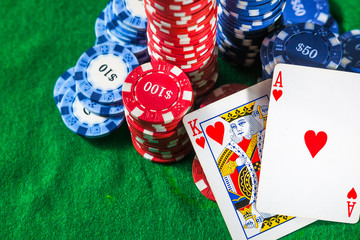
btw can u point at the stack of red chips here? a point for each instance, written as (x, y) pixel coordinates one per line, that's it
(183, 33)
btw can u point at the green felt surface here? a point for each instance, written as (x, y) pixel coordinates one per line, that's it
(57, 185)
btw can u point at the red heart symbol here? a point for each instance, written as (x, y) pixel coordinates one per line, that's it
(315, 142)
(352, 194)
(200, 141)
(216, 132)
(277, 94)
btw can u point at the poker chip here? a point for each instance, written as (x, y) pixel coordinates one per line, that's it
(267, 56)
(315, 11)
(164, 159)
(350, 42)
(66, 76)
(131, 13)
(183, 33)
(82, 122)
(124, 22)
(157, 92)
(100, 72)
(200, 180)
(156, 96)
(221, 92)
(333, 26)
(101, 109)
(242, 26)
(307, 44)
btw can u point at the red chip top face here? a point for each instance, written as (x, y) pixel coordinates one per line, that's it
(157, 92)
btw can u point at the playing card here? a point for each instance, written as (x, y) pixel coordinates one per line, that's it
(228, 136)
(310, 166)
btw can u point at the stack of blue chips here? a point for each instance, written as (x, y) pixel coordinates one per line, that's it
(314, 11)
(89, 95)
(306, 44)
(124, 22)
(242, 26)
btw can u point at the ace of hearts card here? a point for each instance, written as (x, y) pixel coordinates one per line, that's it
(228, 137)
(311, 163)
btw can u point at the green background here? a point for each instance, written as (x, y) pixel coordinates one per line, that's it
(57, 185)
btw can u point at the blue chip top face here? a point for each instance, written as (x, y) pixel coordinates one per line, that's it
(350, 42)
(131, 13)
(60, 82)
(100, 72)
(81, 121)
(300, 11)
(307, 44)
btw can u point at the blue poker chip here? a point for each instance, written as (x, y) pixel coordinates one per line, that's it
(350, 42)
(131, 13)
(250, 25)
(256, 13)
(100, 72)
(333, 26)
(247, 5)
(314, 11)
(242, 26)
(264, 56)
(307, 44)
(82, 122)
(123, 36)
(69, 83)
(104, 36)
(267, 55)
(100, 109)
(120, 26)
(59, 84)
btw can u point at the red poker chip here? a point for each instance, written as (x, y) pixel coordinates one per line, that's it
(204, 64)
(187, 40)
(177, 9)
(180, 20)
(204, 77)
(163, 159)
(200, 90)
(179, 142)
(178, 35)
(190, 52)
(157, 128)
(179, 50)
(163, 150)
(157, 92)
(197, 43)
(183, 19)
(171, 41)
(160, 142)
(221, 92)
(155, 135)
(203, 71)
(180, 62)
(200, 180)
(151, 129)
(183, 29)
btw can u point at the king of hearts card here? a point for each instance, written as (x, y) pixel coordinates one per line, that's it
(228, 138)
